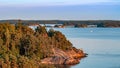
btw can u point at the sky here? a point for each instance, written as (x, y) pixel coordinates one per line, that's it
(60, 9)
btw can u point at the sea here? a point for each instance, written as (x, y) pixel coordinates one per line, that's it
(101, 44)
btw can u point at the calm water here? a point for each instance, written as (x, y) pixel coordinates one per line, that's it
(102, 45)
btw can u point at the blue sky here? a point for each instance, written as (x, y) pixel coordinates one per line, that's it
(60, 9)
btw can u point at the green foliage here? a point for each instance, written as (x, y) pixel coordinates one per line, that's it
(22, 47)
(41, 30)
(60, 40)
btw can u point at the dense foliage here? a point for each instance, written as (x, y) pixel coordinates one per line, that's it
(21, 46)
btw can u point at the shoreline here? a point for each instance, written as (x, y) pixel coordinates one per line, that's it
(70, 57)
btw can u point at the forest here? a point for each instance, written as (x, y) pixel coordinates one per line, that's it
(23, 47)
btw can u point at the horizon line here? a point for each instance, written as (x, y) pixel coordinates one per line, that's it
(60, 20)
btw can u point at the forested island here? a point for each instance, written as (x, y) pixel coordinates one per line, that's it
(73, 23)
(23, 47)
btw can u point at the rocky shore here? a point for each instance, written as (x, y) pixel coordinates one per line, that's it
(69, 57)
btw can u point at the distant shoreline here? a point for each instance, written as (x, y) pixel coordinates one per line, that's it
(68, 23)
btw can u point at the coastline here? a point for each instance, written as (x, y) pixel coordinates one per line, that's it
(22, 47)
(70, 57)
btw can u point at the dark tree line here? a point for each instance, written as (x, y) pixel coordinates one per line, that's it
(76, 23)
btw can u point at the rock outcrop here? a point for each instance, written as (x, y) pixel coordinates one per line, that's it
(64, 57)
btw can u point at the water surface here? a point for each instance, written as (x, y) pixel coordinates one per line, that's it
(102, 45)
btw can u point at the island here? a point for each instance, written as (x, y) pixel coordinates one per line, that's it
(68, 23)
(23, 47)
